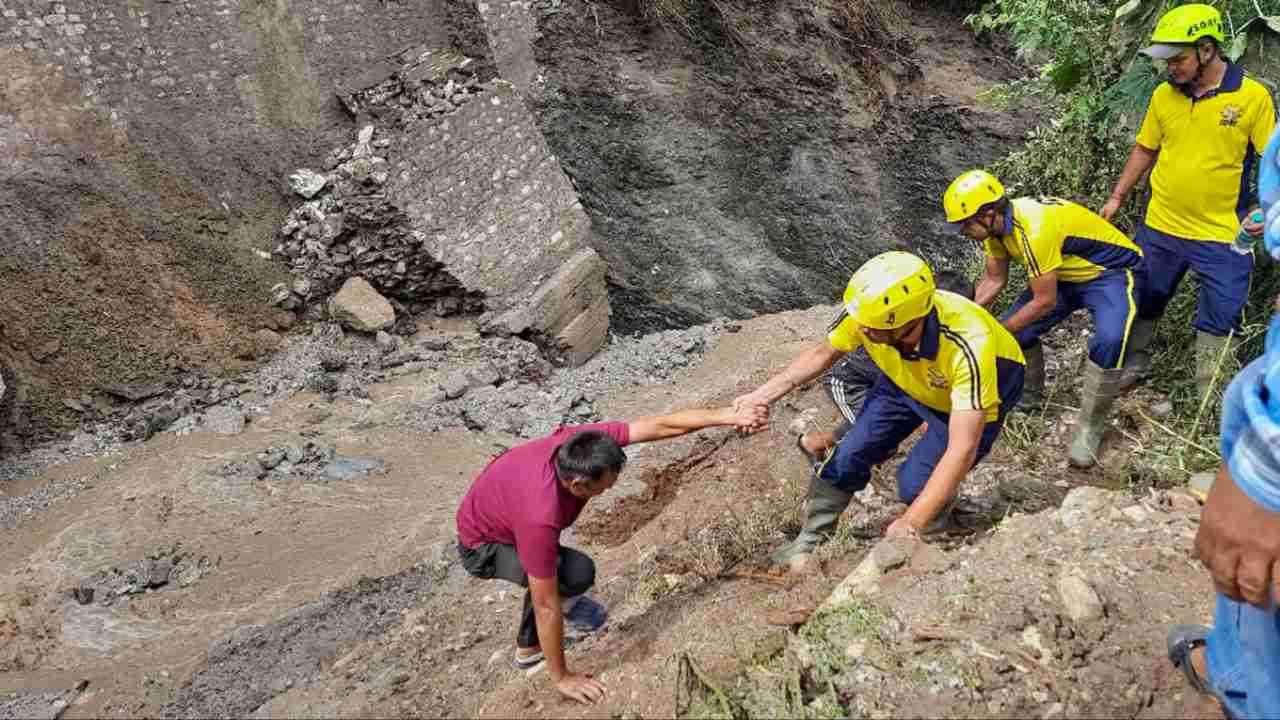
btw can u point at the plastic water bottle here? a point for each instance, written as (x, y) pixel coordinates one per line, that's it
(1244, 241)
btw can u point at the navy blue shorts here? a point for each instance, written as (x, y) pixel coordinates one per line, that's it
(889, 416)
(1223, 274)
(1112, 301)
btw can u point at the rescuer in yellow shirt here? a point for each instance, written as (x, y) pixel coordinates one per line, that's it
(944, 361)
(1074, 260)
(1203, 131)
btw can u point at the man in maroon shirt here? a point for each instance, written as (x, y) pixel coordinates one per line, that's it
(509, 526)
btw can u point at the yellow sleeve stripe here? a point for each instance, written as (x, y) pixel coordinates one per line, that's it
(975, 387)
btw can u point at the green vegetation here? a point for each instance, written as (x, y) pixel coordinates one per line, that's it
(1096, 85)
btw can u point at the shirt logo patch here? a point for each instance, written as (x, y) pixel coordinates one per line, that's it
(1231, 116)
(937, 380)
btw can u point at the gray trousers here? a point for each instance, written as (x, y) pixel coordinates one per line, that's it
(575, 571)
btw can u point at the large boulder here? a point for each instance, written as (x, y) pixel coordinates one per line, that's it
(359, 307)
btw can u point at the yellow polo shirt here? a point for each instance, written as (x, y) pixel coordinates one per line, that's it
(958, 363)
(1208, 150)
(1048, 234)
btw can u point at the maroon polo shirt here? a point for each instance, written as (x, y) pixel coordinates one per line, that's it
(517, 500)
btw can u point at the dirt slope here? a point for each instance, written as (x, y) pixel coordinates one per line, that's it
(331, 589)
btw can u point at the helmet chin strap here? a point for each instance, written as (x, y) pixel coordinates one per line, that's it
(1195, 79)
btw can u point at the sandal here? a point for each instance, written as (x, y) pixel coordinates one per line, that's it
(815, 463)
(1182, 640)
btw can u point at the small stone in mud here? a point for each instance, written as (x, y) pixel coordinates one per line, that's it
(434, 342)
(455, 385)
(386, 341)
(344, 468)
(270, 458)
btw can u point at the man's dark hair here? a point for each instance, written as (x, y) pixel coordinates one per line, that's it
(589, 455)
(954, 282)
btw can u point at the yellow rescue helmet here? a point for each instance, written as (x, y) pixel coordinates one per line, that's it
(968, 193)
(889, 291)
(1182, 27)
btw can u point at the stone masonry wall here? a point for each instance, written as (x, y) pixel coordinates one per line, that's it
(474, 190)
(244, 78)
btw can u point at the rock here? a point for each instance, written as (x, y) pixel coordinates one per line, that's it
(1031, 638)
(307, 183)
(158, 573)
(270, 458)
(455, 385)
(434, 342)
(1081, 504)
(224, 420)
(1135, 513)
(396, 359)
(862, 581)
(890, 553)
(1055, 711)
(348, 468)
(282, 297)
(386, 341)
(1078, 597)
(483, 376)
(359, 307)
(69, 403)
(132, 391)
(1162, 409)
(572, 307)
(267, 341)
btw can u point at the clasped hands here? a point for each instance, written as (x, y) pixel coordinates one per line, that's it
(751, 413)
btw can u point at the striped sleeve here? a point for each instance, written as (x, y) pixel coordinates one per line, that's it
(843, 332)
(974, 384)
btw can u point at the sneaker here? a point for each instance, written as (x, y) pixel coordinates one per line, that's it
(525, 662)
(586, 615)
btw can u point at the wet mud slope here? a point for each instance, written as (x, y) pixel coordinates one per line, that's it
(742, 158)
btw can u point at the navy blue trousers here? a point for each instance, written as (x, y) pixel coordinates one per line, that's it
(1112, 302)
(888, 417)
(1223, 273)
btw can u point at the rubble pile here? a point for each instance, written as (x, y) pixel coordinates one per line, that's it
(348, 226)
(164, 566)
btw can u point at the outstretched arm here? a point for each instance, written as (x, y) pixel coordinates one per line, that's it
(661, 427)
(806, 366)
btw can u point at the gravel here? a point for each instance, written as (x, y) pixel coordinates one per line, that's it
(13, 510)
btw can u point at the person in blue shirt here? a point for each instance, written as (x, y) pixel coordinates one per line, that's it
(1238, 660)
